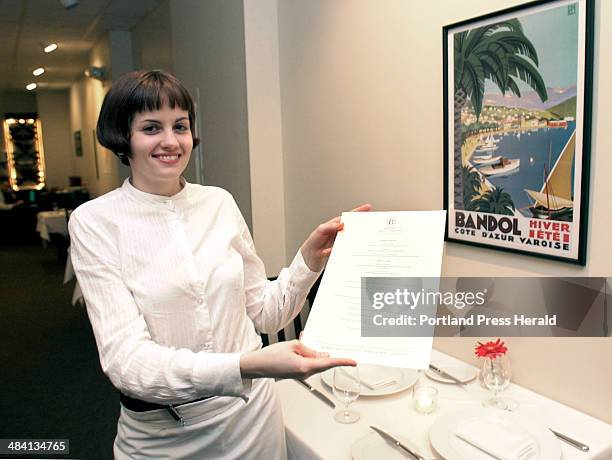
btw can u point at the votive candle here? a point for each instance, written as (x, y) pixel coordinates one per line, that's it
(425, 399)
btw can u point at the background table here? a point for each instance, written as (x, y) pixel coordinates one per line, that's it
(312, 432)
(52, 222)
(57, 222)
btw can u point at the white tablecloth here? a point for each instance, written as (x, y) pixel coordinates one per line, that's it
(51, 222)
(312, 432)
(55, 222)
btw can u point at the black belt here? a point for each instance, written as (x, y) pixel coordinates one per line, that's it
(137, 405)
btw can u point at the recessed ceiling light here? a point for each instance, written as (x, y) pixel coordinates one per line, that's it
(50, 47)
(39, 71)
(31, 86)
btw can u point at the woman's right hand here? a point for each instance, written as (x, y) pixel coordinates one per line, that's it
(289, 360)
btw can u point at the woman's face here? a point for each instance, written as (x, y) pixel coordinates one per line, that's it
(161, 144)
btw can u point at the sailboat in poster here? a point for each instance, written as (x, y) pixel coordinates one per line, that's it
(489, 145)
(555, 201)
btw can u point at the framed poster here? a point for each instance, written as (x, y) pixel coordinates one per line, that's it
(78, 145)
(517, 121)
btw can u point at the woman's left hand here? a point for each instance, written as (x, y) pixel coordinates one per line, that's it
(318, 246)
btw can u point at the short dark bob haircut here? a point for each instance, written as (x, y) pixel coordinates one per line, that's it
(135, 92)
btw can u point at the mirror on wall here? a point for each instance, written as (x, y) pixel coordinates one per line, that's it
(24, 151)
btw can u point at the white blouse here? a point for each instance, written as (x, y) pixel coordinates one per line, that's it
(175, 291)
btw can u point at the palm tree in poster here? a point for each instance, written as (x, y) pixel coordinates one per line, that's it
(471, 186)
(501, 53)
(495, 201)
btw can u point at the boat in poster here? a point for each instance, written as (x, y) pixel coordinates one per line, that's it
(503, 166)
(555, 201)
(481, 161)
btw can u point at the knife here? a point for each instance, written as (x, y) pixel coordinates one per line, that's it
(387, 437)
(445, 374)
(317, 393)
(572, 442)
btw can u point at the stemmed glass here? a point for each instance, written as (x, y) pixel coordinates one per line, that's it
(496, 377)
(346, 387)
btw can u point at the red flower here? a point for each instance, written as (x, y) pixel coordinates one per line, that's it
(491, 349)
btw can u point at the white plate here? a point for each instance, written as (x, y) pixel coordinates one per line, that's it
(463, 373)
(404, 379)
(450, 447)
(373, 447)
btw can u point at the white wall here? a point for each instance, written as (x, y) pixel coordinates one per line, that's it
(361, 104)
(120, 52)
(100, 169)
(152, 40)
(54, 113)
(265, 132)
(99, 173)
(208, 57)
(82, 119)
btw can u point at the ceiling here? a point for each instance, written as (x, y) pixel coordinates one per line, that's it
(26, 24)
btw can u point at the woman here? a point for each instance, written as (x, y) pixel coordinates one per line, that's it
(175, 292)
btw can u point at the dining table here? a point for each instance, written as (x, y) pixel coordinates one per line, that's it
(312, 433)
(51, 222)
(56, 221)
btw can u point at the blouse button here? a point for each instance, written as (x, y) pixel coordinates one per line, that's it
(200, 300)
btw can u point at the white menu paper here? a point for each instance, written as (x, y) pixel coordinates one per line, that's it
(374, 244)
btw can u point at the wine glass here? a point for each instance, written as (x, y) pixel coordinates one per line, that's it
(346, 387)
(496, 377)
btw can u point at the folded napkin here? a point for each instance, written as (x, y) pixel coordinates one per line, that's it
(374, 377)
(496, 440)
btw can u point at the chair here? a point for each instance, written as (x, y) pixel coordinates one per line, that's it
(75, 181)
(18, 225)
(292, 331)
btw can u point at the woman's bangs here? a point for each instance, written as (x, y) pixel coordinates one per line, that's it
(153, 94)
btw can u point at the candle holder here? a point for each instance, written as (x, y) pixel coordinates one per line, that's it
(425, 399)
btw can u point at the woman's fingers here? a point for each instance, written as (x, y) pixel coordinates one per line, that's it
(331, 227)
(306, 352)
(317, 247)
(363, 208)
(290, 359)
(321, 359)
(322, 364)
(335, 362)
